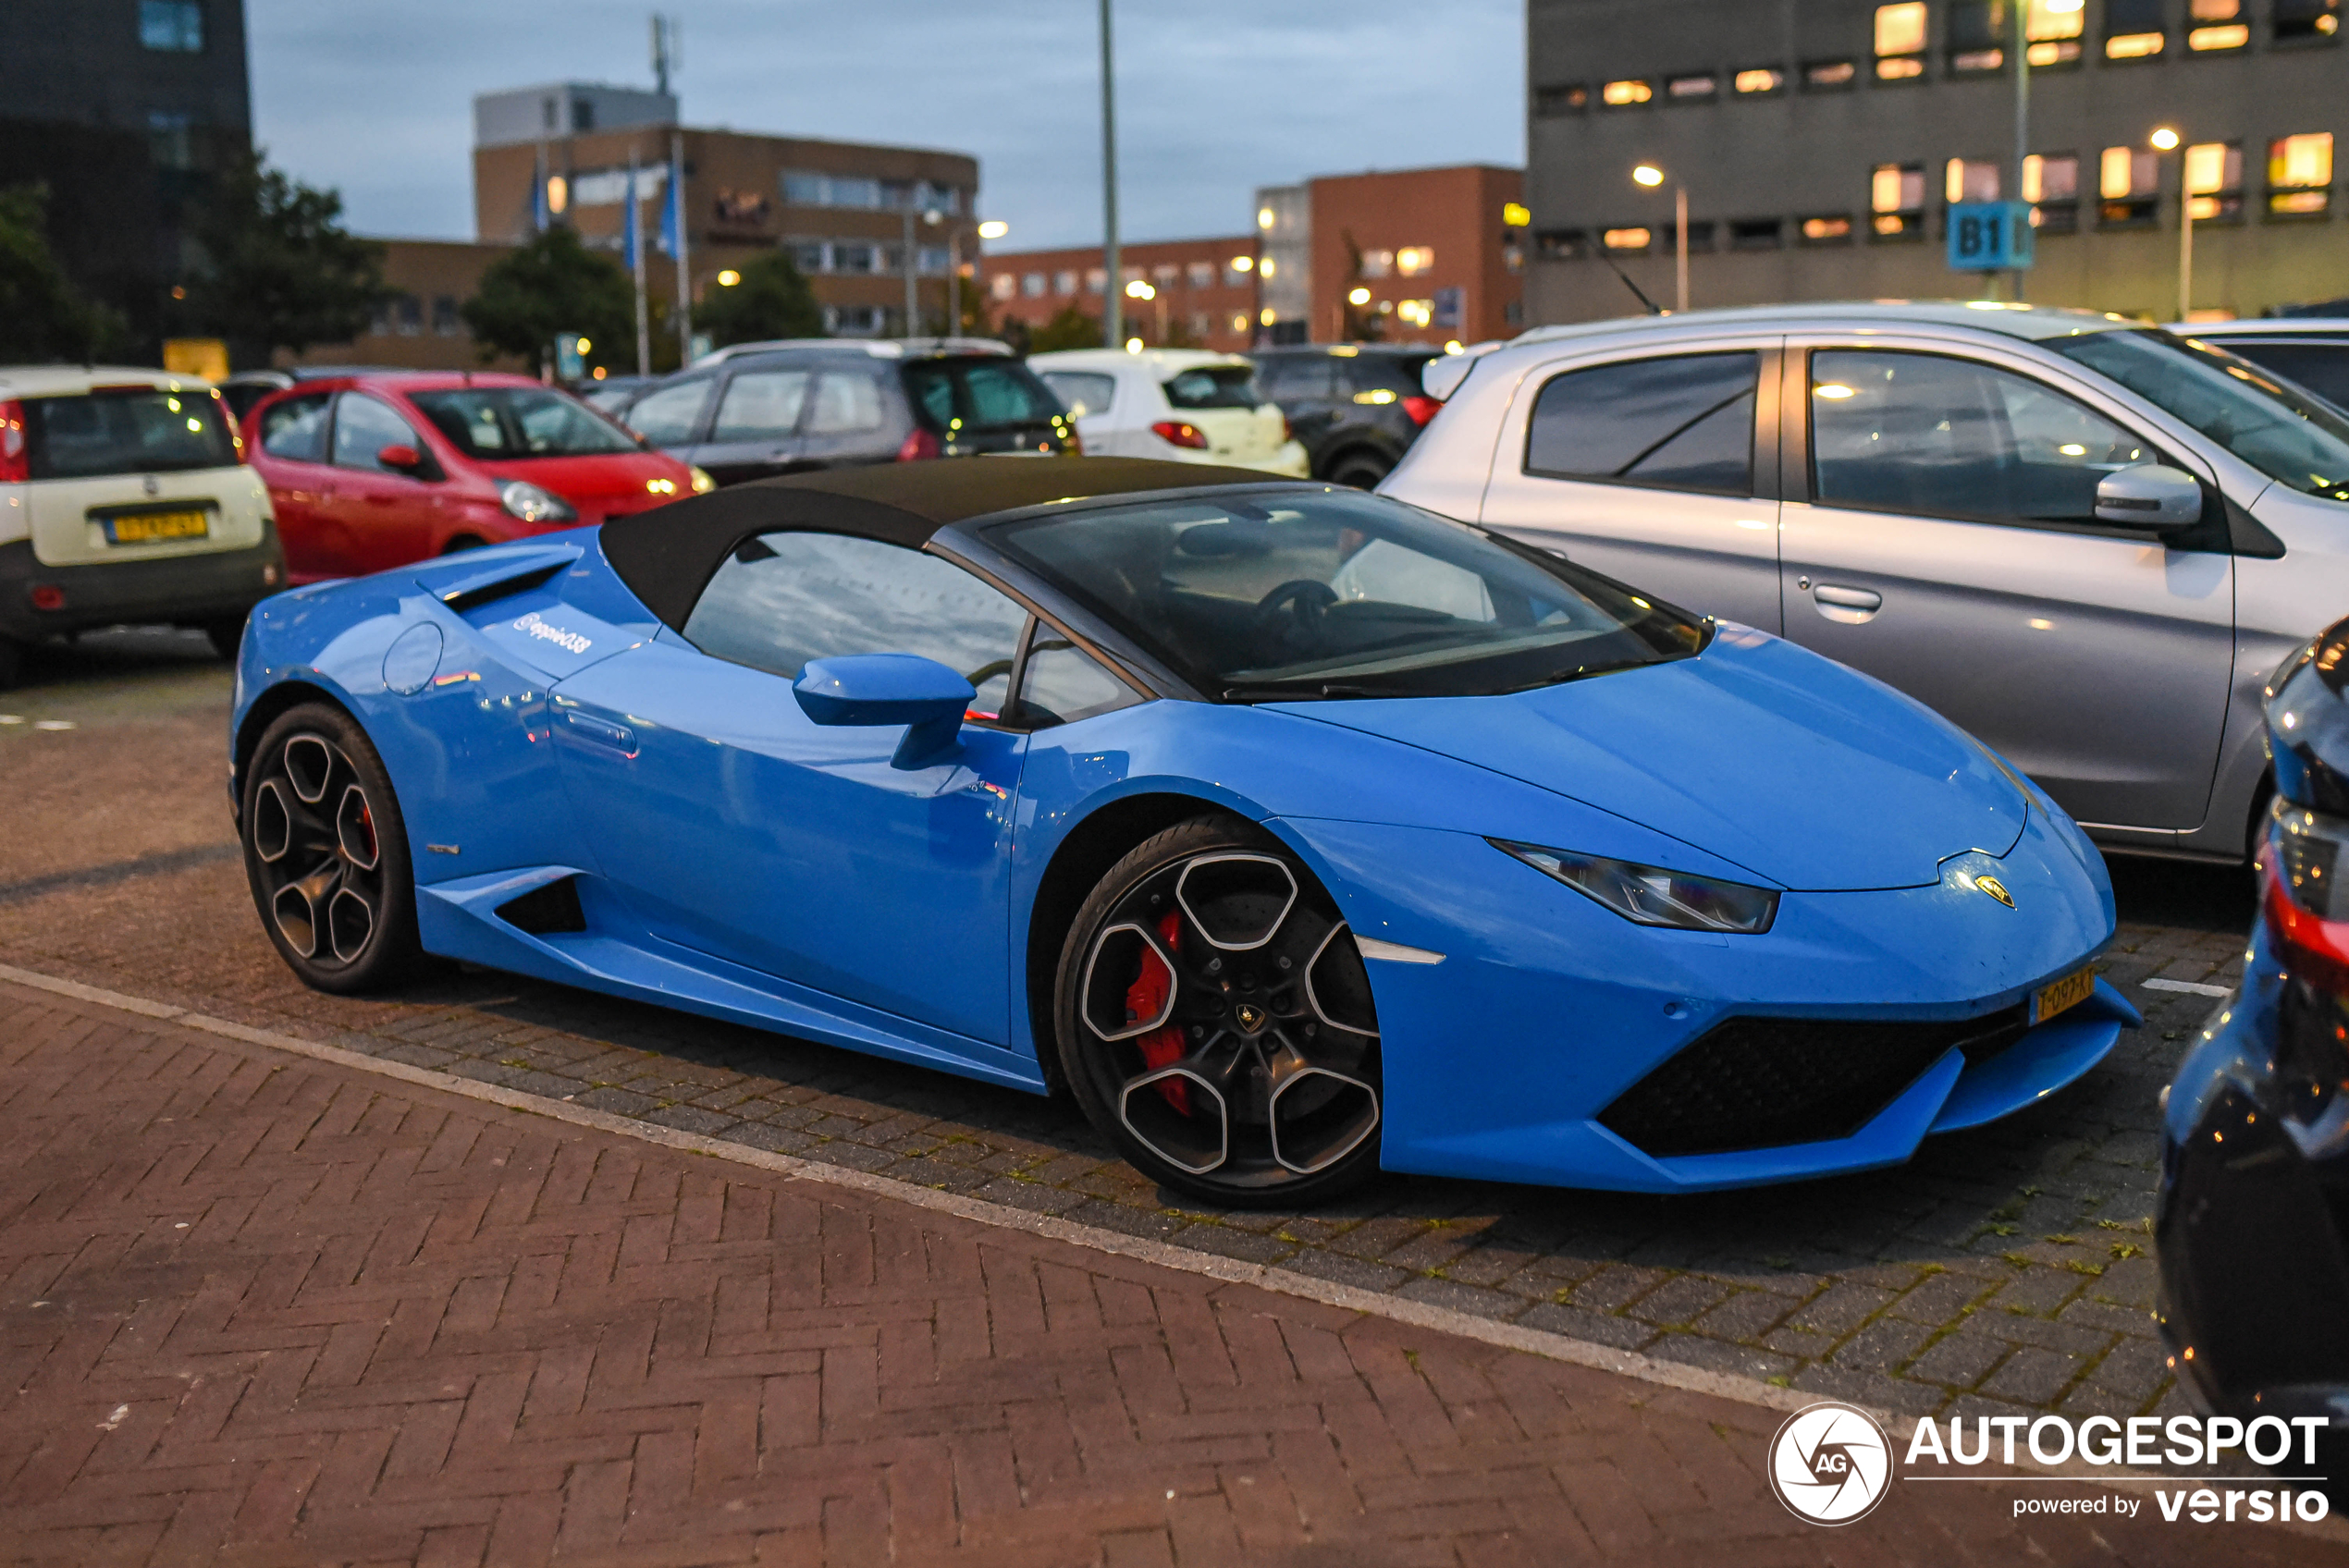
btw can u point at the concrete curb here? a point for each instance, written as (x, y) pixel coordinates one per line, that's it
(1280, 1281)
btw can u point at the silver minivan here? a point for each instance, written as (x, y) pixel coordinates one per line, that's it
(2085, 540)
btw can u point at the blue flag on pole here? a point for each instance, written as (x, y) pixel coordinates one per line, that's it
(631, 239)
(673, 214)
(538, 214)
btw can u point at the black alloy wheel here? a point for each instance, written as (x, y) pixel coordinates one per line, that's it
(1215, 1021)
(326, 853)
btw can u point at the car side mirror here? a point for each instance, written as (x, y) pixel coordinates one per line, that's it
(401, 458)
(2149, 495)
(889, 688)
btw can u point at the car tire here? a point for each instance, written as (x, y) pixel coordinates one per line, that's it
(326, 853)
(1253, 1080)
(1361, 470)
(227, 635)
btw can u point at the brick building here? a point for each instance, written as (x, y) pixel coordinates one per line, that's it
(1411, 255)
(419, 326)
(1203, 290)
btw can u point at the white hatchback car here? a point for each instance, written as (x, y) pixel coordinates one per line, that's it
(1185, 405)
(125, 499)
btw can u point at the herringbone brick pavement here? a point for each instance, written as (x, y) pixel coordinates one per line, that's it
(259, 1309)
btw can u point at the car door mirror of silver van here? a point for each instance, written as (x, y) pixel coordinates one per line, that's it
(2149, 495)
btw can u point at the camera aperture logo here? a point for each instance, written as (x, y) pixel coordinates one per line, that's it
(1830, 1463)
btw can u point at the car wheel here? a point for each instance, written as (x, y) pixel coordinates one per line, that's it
(1360, 470)
(462, 542)
(326, 853)
(1215, 1021)
(226, 635)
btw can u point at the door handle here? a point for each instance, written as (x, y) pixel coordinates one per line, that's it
(601, 732)
(1848, 598)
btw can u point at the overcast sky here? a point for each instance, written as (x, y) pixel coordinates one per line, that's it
(1215, 97)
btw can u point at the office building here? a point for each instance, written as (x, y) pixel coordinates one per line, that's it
(1821, 144)
(1400, 255)
(1202, 291)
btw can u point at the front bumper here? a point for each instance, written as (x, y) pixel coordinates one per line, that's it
(1503, 1060)
(175, 590)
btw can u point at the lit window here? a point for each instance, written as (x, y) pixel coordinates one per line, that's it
(1760, 80)
(2116, 173)
(1415, 313)
(1896, 200)
(1623, 95)
(1900, 68)
(1826, 74)
(2301, 162)
(1826, 230)
(2306, 18)
(171, 27)
(1239, 321)
(1899, 30)
(1978, 62)
(1628, 239)
(1692, 89)
(2045, 20)
(2050, 176)
(2134, 46)
(1413, 260)
(1971, 180)
(2218, 25)
(1268, 267)
(1550, 102)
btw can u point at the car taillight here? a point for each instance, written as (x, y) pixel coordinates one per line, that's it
(920, 443)
(1422, 408)
(2307, 916)
(1178, 433)
(1288, 430)
(16, 464)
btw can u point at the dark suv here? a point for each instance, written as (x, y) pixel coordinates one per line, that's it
(829, 403)
(1356, 407)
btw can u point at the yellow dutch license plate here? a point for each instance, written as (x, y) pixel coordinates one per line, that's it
(147, 528)
(2058, 994)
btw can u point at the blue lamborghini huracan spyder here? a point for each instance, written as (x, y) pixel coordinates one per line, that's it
(1294, 832)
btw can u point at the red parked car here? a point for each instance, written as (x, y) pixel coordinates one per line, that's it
(370, 472)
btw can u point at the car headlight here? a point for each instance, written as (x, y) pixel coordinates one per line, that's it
(526, 502)
(1649, 895)
(703, 483)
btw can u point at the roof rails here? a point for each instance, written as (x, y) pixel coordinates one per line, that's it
(879, 348)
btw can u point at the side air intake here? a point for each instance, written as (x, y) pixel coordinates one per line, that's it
(547, 912)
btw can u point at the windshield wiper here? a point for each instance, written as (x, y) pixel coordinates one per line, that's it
(1316, 692)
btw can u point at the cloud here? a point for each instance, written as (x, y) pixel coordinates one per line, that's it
(1215, 97)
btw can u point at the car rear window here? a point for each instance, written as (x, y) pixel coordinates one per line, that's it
(505, 423)
(1082, 392)
(1213, 387)
(984, 393)
(132, 430)
(1398, 374)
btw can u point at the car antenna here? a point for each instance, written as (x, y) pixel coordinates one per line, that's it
(1654, 309)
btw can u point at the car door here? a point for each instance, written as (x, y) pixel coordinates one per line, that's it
(1091, 399)
(736, 826)
(671, 416)
(1657, 469)
(376, 517)
(755, 433)
(1942, 537)
(851, 417)
(291, 435)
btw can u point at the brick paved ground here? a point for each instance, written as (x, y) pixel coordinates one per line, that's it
(2004, 1269)
(259, 1309)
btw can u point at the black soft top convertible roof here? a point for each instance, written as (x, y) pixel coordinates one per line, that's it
(666, 556)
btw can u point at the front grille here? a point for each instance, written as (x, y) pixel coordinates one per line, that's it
(1759, 1082)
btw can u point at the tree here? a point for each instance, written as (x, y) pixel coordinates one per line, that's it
(1069, 328)
(772, 300)
(553, 285)
(277, 269)
(41, 316)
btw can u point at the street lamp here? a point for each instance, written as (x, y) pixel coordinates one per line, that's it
(2166, 138)
(993, 228)
(1139, 289)
(1652, 176)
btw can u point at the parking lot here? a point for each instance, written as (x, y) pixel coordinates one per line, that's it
(2005, 1269)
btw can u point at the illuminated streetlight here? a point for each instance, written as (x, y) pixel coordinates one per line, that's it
(1133, 345)
(1515, 215)
(728, 279)
(1358, 297)
(993, 228)
(2166, 138)
(1648, 175)
(1138, 289)
(1652, 176)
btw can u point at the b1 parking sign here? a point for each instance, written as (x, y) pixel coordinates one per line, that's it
(1991, 236)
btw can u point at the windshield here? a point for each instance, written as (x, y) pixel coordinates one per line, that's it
(1213, 387)
(518, 422)
(984, 393)
(1278, 595)
(2294, 438)
(129, 430)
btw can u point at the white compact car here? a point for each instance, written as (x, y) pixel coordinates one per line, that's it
(1185, 405)
(125, 499)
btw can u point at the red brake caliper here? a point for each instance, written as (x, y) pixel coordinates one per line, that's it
(1152, 984)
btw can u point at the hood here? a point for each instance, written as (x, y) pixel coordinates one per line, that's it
(603, 483)
(1807, 773)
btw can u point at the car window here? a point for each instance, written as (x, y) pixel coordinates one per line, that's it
(667, 416)
(503, 422)
(781, 599)
(1397, 373)
(847, 401)
(2323, 368)
(2300, 441)
(295, 429)
(1063, 683)
(1081, 392)
(365, 426)
(1213, 387)
(761, 403)
(1297, 377)
(1950, 437)
(135, 430)
(1290, 595)
(985, 394)
(1685, 420)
